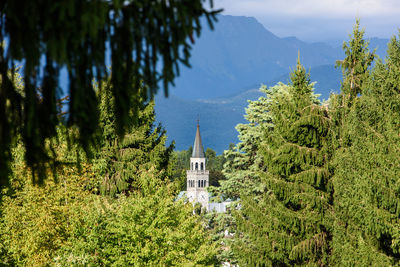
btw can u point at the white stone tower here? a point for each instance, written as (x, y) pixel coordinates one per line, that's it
(197, 176)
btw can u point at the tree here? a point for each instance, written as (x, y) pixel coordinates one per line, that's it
(242, 164)
(243, 161)
(180, 162)
(291, 223)
(140, 230)
(35, 220)
(146, 40)
(120, 161)
(214, 165)
(64, 224)
(355, 65)
(367, 171)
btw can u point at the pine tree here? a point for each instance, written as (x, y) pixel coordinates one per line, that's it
(355, 65)
(367, 172)
(121, 160)
(291, 223)
(242, 161)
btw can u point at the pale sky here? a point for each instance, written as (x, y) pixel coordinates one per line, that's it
(319, 20)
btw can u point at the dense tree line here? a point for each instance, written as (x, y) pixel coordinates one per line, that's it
(117, 209)
(317, 183)
(312, 183)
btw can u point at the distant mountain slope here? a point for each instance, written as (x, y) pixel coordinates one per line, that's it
(219, 116)
(240, 53)
(229, 64)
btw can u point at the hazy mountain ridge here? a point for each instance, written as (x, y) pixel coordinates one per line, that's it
(240, 53)
(219, 116)
(228, 66)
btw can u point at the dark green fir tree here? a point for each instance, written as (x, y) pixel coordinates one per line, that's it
(243, 160)
(367, 172)
(241, 167)
(355, 65)
(291, 223)
(121, 160)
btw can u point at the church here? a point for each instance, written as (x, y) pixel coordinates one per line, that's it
(197, 179)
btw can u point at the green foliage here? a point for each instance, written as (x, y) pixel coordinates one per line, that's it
(243, 161)
(183, 158)
(120, 161)
(367, 172)
(291, 222)
(214, 164)
(355, 65)
(61, 223)
(241, 168)
(222, 230)
(146, 40)
(34, 221)
(140, 230)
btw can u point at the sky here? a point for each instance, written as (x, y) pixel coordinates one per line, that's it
(319, 20)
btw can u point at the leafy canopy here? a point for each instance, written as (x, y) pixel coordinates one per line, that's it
(145, 41)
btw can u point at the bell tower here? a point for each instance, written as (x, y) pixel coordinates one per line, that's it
(197, 176)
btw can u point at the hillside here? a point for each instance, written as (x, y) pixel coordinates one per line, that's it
(228, 66)
(219, 116)
(241, 53)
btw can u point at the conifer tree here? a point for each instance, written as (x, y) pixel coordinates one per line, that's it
(291, 223)
(367, 172)
(120, 160)
(242, 161)
(355, 65)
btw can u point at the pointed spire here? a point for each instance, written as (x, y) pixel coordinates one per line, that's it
(198, 151)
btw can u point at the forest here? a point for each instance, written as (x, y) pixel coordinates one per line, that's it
(313, 183)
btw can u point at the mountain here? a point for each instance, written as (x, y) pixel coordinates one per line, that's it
(241, 53)
(219, 116)
(228, 66)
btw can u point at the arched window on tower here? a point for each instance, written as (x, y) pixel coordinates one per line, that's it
(201, 166)
(197, 166)
(199, 183)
